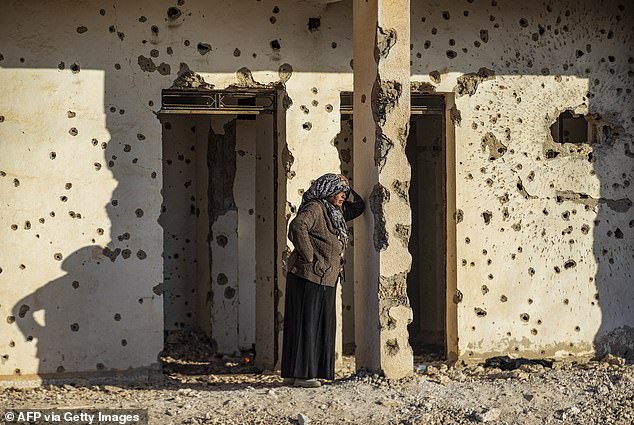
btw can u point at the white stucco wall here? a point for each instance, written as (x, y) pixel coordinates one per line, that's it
(116, 91)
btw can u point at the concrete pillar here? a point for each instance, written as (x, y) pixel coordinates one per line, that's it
(381, 40)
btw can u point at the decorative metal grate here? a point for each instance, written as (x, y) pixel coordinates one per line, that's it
(224, 102)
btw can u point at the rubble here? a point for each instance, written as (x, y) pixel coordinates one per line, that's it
(200, 387)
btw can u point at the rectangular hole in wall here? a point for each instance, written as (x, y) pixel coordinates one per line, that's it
(427, 280)
(219, 215)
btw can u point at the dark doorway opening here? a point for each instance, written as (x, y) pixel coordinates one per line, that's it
(427, 279)
(426, 282)
(220, 219)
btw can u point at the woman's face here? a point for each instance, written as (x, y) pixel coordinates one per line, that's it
(338, 199)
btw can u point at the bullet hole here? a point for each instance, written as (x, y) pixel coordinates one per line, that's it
(14, 227)
(61, 66)
(168, 126)
(307, 125)
(154, 30)
(126, 253)
(467, 240)
(100, 231)
(52, 213)
(525, 317)
(100, 366)
(63, 198)
(484, 289)
(153, 175)
(222, 279)
(531, 271)
(557, 269)
(141, 255)
(452, 42)
(445, 14)
(275, 45)
(329, 108)
(73, 131)
(117, 317)
(27, 225)
(173, 13)
(82, 29)
(451, 54)
(58, 256)
(480, 312)
(534, 331)
(97, 166)
(577, 329)
(618, 233)
(503, 298)
(229, 292)
(487, 217)
(138, 212)
(484, 36)
(272, 19)
(61, 369)
(523, 23)
(74, 327)
(570, 264)
(517, 227)
(222, 240)
(52, 155)
(236, 52)
(314, 24)
(333, 45)
(75, 68)
(75, 284)
(427, 44)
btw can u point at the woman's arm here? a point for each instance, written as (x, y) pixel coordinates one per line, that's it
(353, 209)
(298, 233)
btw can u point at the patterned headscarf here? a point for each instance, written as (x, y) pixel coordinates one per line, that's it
(323, 188)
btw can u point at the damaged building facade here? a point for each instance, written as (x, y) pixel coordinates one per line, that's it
(151, 157)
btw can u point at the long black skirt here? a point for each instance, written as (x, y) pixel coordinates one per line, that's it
(309, 330)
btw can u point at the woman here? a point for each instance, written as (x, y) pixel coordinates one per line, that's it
(320, 236)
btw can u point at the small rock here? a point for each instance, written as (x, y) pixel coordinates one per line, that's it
(302, 419)
(487, 415)
(613, 360)
(528, 397)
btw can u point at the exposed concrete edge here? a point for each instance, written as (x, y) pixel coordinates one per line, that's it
(151, 374)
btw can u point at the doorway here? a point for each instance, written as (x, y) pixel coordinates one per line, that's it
(220, 217)
(427, 281)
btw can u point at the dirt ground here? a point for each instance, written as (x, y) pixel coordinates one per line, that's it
(198, 387)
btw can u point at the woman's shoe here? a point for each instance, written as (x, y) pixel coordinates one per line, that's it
(307, 383)
(288, 381)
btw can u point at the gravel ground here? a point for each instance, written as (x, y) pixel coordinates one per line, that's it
(200, 388)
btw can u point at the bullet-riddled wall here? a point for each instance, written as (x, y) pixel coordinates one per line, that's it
(82, 267)
(544, 230)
